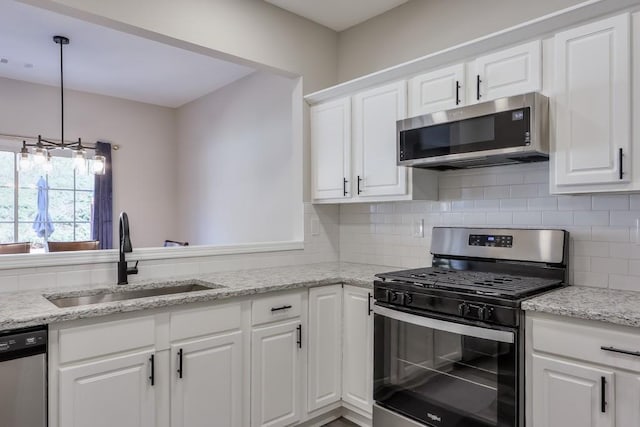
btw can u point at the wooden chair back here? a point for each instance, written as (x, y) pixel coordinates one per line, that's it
(15, 248)
(88, 245)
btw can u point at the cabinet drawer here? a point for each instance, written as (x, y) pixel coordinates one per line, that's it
(205, 321)
(105, 338)
(585, 342)
(276, 308)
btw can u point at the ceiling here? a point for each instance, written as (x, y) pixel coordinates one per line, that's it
(105, 61)
(337, 14)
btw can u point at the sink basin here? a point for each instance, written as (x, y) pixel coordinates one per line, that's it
(93, 297)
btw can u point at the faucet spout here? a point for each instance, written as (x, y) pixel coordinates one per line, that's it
(124, 246)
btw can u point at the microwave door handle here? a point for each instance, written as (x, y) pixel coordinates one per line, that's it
(442, 325)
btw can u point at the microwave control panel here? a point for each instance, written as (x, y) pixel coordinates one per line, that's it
(497, 241)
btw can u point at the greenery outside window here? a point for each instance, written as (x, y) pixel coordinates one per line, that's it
(70, 201)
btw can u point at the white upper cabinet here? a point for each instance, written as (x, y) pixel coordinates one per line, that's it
(592, 106)
(375, 113)
(331, 149)
(437, 90)
(508, 72)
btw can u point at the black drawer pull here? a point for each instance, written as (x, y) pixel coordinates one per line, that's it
(603, 397)
(344, 186)
(180, 354)
(617, 350)
(457, 92)
(478, 81)
(299, 341)
(620, 160)
(284, 307)
(369, 309)
(152, 362)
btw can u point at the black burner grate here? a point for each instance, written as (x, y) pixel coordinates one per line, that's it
(485, 283)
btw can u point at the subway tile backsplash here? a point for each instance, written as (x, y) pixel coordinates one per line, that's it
(604, 249)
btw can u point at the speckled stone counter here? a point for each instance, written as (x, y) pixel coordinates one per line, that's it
(605, 305)
(23, 309)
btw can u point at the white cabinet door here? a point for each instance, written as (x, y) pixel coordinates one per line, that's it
(325, 346)
(375, 113)
(592, 97)
(207, 379)
(275, 375)
(569, 394)
(114, 391)
(437, 90)
(508, 72)
(331, 149)
(357, 362)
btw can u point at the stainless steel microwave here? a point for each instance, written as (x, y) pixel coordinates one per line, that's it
(504, 131)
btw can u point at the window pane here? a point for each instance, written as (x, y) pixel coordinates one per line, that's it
(83, 231)
(27, 234)
(6, 233)
(27, 204)
(61, 205)
(85, 182)
(61, 176)
(84, 205)
(7, 170)
(6, 204)
(30, 178)
(63, 232)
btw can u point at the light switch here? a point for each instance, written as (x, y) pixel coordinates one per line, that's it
(315, 226)
(418, 228)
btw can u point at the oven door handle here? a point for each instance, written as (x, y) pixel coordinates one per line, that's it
(442, 325)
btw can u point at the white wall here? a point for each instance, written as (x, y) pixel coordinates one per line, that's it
(144, 170)
(603, 250)
(238, 166)
(420, 27)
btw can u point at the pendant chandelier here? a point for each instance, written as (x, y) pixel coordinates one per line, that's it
(40, 152)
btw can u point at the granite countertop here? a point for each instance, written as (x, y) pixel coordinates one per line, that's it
(605, 305)
(31, 308)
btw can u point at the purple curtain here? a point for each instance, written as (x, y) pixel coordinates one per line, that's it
(102, 222)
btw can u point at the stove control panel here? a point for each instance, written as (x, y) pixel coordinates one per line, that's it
(498, 241)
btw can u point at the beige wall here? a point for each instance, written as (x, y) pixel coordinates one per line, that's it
(144, 168)
(249, 29)
(237, 165)
(421, 27)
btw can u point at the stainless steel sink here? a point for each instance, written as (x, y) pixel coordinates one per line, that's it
(96, 297)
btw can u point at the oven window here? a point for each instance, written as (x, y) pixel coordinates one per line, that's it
(443, 378)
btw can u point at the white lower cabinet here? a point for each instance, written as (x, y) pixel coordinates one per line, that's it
(324, 369)
(357, 353)
(207, 382)
(239, 364)
(581, 373)
(276, 374)
(570, 394)
(109, 391)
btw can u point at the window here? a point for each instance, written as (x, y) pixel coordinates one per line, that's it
(70, 201)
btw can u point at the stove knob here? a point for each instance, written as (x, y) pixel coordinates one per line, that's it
(408, 299)
(394, 296)
(463, 309)
(484, 313)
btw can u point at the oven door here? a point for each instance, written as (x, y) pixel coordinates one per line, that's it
(443, 373)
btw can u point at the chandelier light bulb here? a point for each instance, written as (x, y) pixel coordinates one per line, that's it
(24, 161)
(99, 165)
(39, 155)
(47, 166)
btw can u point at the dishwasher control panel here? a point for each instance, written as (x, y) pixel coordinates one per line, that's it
(23, 341)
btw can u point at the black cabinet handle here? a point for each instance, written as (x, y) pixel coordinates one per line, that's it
(344, 186)
(620, 155)
(370, 310)
(457, 92)
(180, 353)
(299, 328)
(603, 398)
(359, 181)
(478, 81)
(152, 362)
(617, 350)
(284, 307)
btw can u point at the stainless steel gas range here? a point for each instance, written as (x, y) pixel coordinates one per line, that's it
(449, 339)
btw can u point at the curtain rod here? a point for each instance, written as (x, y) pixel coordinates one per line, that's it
(35, 138)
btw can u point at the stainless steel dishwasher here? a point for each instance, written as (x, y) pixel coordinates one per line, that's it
(23, 378)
